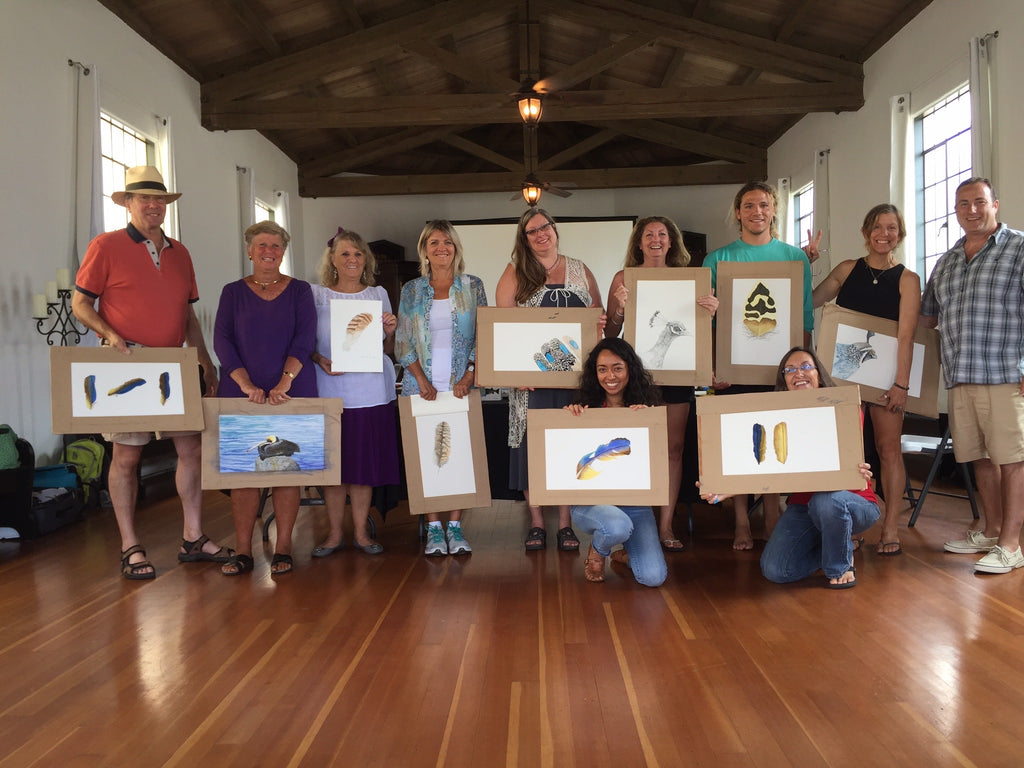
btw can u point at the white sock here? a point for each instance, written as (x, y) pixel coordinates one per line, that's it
(434, 524)
(454, 523)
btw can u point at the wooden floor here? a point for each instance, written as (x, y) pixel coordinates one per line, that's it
(503, 658)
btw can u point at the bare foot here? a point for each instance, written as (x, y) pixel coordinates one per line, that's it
(743, 541)
(850, 578)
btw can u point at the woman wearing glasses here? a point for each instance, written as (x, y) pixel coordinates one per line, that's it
(814, 533)
(540, 276)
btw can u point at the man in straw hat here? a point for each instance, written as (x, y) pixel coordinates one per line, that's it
(146, 286)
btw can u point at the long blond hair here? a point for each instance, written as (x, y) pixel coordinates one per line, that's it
(327, 274)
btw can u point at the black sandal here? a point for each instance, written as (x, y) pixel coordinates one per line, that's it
(536, 538)
(242, 564)
(194, 552)
(136, 571)
(285, 560)
(567, 541)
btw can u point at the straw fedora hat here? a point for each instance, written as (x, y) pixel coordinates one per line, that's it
(144, 180)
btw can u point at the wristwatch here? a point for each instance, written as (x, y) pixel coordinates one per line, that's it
(289, 374)
(471, 367)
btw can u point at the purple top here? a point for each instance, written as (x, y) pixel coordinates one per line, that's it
(259, 335)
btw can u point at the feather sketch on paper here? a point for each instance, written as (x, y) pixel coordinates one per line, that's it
(760, 442)
(442, 443)
(759, 311)
(781, 441)
(128, 386)
(589, 467)
(90, 391)
(356, 326)
(165, 387)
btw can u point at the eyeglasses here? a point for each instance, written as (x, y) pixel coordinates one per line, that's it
(789, 370)
(537, 230)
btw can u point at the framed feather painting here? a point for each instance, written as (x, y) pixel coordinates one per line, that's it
(780, 442)
(861, 349)
(604, 456)
(98, 389)
(445, 452)
(759, 319)
(246, 445)
(666, 326)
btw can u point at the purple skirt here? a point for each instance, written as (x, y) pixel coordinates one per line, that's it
(369, 445)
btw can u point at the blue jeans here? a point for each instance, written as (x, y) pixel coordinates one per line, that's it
(635, 527)
(816, 536)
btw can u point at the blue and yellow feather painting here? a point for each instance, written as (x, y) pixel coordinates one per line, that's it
(239, 433)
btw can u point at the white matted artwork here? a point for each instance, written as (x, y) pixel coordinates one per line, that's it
(759, 319)
(781, 442)
(666, 327)
(445, 452)
(537, 347)
(99, 389)
(862, 349)
(357, 335)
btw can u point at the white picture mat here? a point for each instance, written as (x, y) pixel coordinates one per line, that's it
(519, 342)
(812, 440)
(365, 352)
(143, 400)
(675, 301)
(456, 476)
(880, 372)
(748, 349)
(566, 447)
(445, 402)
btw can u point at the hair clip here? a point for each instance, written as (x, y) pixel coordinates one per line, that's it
(341, 231)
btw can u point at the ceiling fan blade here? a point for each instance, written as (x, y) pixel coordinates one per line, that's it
(557, 191)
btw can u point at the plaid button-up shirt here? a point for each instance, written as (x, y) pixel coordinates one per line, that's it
(980, 309)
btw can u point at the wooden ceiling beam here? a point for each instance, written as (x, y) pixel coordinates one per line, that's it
(472, 148)
(593, 65)
(578, 150)
(301, 112)
(600, 178)
(127, 12)
(698, 142)
(710, 39)
(353, 50)
(463, 67)
(243, 12)
(361, 155)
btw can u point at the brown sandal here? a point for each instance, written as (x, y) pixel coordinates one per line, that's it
(136, 571)
(194, 552)
(620, 557)
(593, 566)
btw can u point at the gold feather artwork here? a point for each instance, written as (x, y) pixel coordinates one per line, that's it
(781, 440)
(759, 312)
(442, 443)
(356, 326)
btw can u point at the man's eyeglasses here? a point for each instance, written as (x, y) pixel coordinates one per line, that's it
(789, 370)
(537, 230)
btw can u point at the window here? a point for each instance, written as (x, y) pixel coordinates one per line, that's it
(121, 147)
(803, 214)
(942, 159)
(263, 211)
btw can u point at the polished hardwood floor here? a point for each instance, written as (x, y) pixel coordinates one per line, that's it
(503, 658)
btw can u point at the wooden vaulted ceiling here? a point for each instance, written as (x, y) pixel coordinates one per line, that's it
(383, 97)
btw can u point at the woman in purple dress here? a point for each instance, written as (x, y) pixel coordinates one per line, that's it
(264, 335)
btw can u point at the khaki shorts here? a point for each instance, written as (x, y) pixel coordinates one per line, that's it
(987, 422)
(141, 438)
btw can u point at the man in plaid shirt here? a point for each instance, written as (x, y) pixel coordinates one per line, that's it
(975, 297)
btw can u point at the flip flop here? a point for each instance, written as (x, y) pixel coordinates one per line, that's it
(897, 551)
(846, 584)
(672, 545)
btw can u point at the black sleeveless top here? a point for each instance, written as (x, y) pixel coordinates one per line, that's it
(860, 293)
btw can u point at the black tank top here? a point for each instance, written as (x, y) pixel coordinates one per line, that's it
(860, 293)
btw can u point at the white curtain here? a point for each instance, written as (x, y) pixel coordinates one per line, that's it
(88, 190)
(783, 218)
(165, 161)
(246, 212)
(821, 268)
(282, 215)
(901, 168)
(983, 159)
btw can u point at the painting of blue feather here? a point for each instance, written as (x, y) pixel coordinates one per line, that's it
(588, 459)
(869, 358)
(272, 443)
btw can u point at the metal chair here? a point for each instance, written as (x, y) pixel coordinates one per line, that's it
(939, 447)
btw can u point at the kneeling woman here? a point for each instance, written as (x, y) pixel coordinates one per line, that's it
(614, 377)
(814, 533)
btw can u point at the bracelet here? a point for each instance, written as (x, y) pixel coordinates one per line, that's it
(289, 374)
(905, 389)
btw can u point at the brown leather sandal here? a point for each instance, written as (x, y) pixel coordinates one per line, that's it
(593, 566)
(140, 571)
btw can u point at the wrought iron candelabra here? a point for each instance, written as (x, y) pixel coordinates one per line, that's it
(54, 319)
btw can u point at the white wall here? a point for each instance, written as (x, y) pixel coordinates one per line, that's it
(928, 59)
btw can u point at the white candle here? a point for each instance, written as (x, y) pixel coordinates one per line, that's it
(39, 305)
(64, 279)
(51, 291)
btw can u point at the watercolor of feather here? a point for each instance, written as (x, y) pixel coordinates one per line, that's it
(759, 312)
(356, 326)
(90, 391)
(588, 466)
(128, 386)
(760, 442)
(442, 443)
(165, 387)
(781, 441)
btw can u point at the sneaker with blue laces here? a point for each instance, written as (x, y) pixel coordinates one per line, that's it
(436, 544)
(457, 544)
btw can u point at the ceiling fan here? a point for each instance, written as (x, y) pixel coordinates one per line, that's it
(532, 187)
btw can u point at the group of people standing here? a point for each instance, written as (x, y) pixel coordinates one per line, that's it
(273, 338)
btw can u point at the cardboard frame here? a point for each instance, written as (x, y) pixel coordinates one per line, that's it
(215, 407)
(547, 485)
(700, 375)
(728, 273)
(492, 326)
(810, 443)
(68, 398)
(416, 463)
(833, 316)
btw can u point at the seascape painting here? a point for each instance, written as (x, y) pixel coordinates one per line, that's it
(272, 442)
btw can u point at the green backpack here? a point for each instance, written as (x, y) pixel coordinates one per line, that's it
(86, 456)
(8, 448)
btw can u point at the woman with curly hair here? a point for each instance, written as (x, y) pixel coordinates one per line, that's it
(614, 377)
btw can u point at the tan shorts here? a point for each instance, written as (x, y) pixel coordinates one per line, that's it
(987, 422)
(141, 438)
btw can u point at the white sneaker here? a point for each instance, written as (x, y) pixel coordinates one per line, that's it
(436, 544)
(457, 544)
(1000, 560)
(976, 541)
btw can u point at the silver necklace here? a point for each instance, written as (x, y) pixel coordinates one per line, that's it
(554, 264)
(874, 277)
